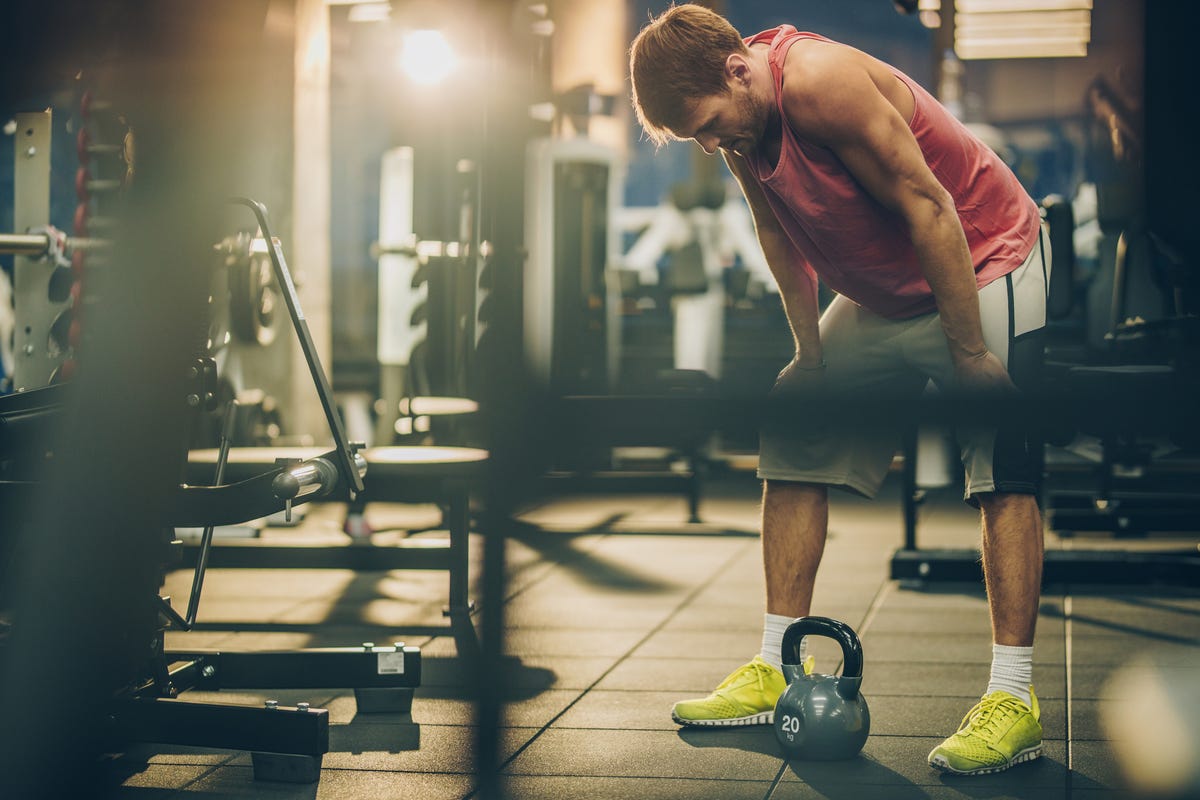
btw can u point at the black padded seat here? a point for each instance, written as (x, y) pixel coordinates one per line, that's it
(394, 474)
(1097, 381)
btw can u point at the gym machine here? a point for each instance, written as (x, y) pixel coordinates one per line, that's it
(287, 742)
(424, 318)
(572, 326)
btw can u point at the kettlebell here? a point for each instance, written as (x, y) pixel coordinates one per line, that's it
(822, 717)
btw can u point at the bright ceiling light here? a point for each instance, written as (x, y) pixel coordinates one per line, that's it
(426, 57)
(999, 6)
(987, 29)
(370, 12)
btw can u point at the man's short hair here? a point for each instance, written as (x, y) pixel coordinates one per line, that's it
(676, 60)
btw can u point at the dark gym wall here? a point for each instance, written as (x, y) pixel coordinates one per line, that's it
(1172, 156)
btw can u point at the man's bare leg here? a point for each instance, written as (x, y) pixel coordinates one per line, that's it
(795, 519)
(1012, 565)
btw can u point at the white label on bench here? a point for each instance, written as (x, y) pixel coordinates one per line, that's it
(390, 663)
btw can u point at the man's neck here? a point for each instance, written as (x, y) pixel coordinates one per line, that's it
(763, 88)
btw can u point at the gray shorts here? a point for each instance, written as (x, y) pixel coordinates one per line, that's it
(866, 353)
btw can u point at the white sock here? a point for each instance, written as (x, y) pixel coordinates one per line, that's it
(774, 626)
(1012, 671)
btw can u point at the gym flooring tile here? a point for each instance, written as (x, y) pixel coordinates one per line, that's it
(887, 619)
(912, 679)
(1088, 719)
(1093, 765)
(531, 641)
(433, 706)
(1090, 681)
(216, 610)
(749, 754)
(335, 784)
(158, 780)
(648, 574)
(713, 615)
(546, 611)
(1118, 650)
(412, 748)
(802, 791)
(173, 754)
(382, 612)
(717, 643)
(285, 584)
(574, 606)
(938, 597)
(541, 787)
(1176, 628)
(621, 710)
(959, 648)
(531, 672)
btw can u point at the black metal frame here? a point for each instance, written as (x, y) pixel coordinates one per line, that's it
(287, 744)
(1113, 567)
(451, 494)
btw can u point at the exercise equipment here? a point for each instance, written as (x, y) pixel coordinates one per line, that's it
(572, 331)
(426, 474)
(254, 295)
(286, 743)
(49, 268)
(428, 294)
(822, 717)
(39, 253)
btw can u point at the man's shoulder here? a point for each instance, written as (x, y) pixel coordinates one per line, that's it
(815, 57)
(812, 65)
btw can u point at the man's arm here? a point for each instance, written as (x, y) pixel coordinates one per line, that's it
(797, 283)
(836, 97)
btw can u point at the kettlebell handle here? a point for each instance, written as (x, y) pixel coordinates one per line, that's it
(840, 632)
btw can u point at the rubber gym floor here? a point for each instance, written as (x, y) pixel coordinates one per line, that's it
(616, 608)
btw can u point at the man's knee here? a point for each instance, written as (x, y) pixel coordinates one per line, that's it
(993, 502)
(791, 490)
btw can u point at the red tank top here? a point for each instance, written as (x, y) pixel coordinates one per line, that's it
(859, 248)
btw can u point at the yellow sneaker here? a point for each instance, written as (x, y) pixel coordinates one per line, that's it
(746, 697)
(997, 733)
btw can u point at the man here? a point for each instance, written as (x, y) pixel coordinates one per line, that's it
(857, 176)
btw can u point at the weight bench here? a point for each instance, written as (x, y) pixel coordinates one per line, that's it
(425, 474)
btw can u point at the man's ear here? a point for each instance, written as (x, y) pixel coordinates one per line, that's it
(737, 68)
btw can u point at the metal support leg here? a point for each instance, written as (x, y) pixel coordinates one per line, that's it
(458, 521)
(695, 484)
(911, 494)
